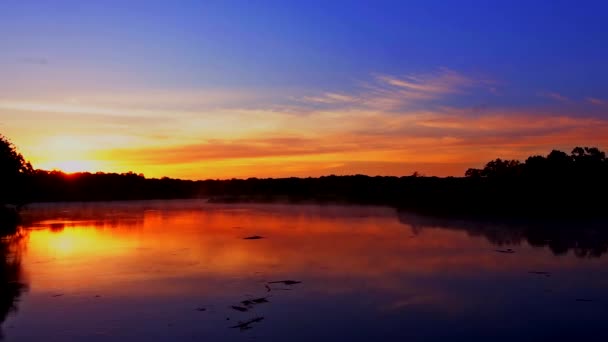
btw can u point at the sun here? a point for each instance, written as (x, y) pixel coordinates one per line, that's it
(69, 154)
(72, 166)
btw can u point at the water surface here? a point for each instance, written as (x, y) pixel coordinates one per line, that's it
(175, 270)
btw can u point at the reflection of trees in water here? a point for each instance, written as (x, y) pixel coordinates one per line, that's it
(11, 274)
(585, 239)
(57, 217)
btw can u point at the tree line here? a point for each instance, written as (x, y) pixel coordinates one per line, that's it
(557, 185)
(582, 162)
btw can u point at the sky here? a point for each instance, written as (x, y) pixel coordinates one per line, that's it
(224, 89)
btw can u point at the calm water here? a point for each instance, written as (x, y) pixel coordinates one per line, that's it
(164, 271)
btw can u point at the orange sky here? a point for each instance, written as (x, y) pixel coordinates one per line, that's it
(388, 126)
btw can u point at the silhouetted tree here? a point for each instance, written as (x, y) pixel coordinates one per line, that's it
(589, 164)
(588, 154)
(473, 173)
(14, 171)
(496, 168)
(559, 157)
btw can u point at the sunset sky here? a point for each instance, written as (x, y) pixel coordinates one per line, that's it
(222, 89)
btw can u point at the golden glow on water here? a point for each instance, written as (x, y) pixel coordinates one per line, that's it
(79, 242)
(144, 267)
(201, 243)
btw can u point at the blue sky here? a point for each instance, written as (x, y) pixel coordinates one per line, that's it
(522, 57)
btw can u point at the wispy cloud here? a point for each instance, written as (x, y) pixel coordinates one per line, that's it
(596, 101)
(343, 141)
(65, 108)
(147, 103)
(389, 92)
(555, 96)
(330, 98)
(444, 81)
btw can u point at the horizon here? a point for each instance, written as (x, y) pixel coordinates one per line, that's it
(414, 174)
(273, 90)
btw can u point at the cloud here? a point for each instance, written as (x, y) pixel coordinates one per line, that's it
(440, 142)
(554, 96)
(231, 149)
(144, 103)
(330, 98)
(389, 92)
(596, 101)
(445, 81)
(65, 108)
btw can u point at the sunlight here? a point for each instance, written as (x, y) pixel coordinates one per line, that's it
(69, 154)
(72, 166)
(83, 241)
(71, 242)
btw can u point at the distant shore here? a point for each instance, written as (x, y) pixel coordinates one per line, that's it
(558, 186)
(453, 196)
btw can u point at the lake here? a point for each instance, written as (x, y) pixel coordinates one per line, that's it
(190, 270)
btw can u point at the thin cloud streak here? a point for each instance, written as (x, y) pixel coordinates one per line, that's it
(389, 92)
(596, 101)
(555, 96)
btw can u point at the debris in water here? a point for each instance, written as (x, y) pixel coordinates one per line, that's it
(546, 274)
(58, 295)
(239, 308)
(584, 300)
(507, 251)
(268, 289)
(285, 282)
(251, 302)
(260, 300)
(201, 309)
(247, 324)
(254, 237)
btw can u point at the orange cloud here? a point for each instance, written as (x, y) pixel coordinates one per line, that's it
(432, 143)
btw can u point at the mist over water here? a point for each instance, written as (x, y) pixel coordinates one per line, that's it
(189, 270)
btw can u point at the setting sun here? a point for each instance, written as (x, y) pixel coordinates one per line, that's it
(69, 154)
(72, 166)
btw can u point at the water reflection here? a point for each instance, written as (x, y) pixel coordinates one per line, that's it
(184, 270)
(585, 239)
(11, 274)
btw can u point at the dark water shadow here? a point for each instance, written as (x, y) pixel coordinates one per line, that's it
(584, 238)
(12, 284)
